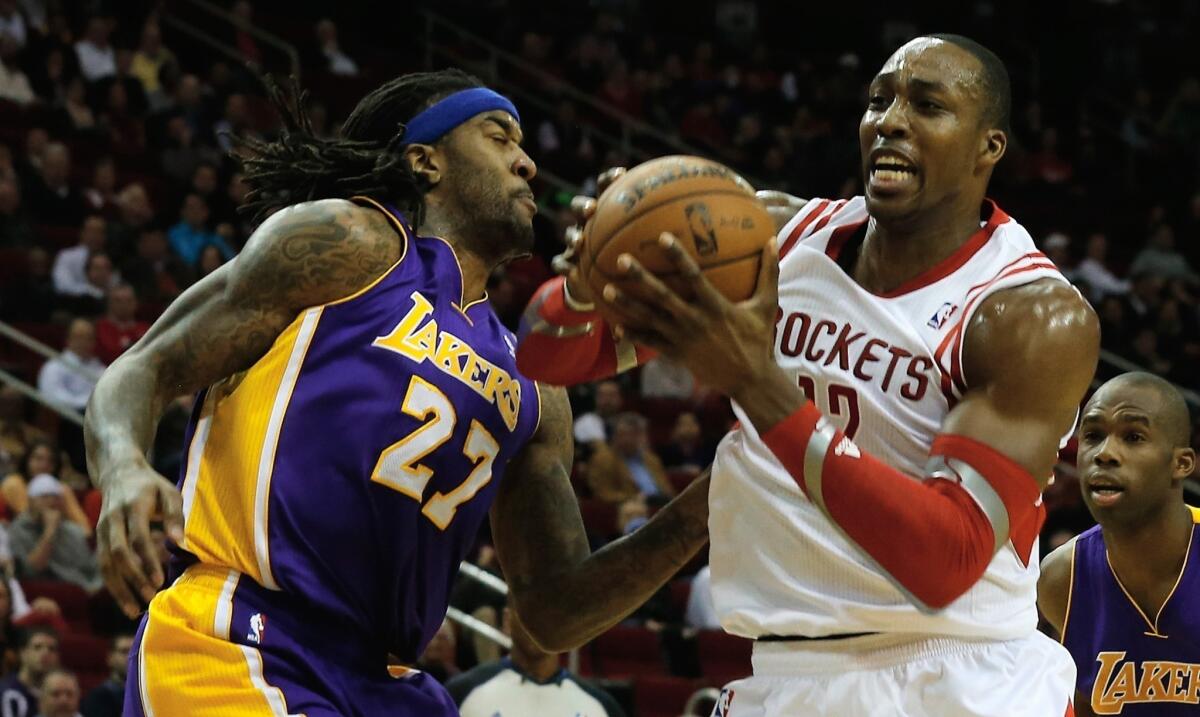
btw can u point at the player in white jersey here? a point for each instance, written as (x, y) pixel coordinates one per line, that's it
(902, 387)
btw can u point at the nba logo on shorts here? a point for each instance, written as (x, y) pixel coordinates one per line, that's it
(258, 625)
(939, 319)
(723, 703)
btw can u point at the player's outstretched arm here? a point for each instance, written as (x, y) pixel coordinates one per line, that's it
(564, 594)
(304, 255)
(1054, 586)
(1029, 355)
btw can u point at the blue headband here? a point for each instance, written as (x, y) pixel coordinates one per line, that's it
(431, 124)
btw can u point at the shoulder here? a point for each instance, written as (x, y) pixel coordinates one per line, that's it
(1033, 335)
(460, 686)
(1054, 583)
(315, 252)
(606, 700)
(817, 214)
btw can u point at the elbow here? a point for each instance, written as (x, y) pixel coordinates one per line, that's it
(935, 585)
(550, 631)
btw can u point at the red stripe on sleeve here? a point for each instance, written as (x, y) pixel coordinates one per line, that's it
(798, 231)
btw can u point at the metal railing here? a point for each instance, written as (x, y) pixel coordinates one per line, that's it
(217, 12)
(498, 66)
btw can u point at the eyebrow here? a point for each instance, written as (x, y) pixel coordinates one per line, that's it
(1123, 418)
(509, 128)
(916, 82)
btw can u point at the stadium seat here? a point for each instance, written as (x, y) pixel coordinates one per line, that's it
(723, 657)
(86, 656)
(662, 696)
(71, 599)
(625, 652)
(91, 503)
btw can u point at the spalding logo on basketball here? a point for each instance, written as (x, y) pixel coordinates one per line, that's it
(706, 205)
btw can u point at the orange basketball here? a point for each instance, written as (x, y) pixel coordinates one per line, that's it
(709, 208)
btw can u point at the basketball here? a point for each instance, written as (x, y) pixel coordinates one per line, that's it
(709, 208)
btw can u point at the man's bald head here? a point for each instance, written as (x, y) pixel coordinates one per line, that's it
(1170, 413)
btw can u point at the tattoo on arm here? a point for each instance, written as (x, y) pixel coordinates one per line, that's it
(302, 256)
(564, 595)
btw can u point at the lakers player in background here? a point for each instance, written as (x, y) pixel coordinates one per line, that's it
(902, 389)
(1123, 596)
(359, 412)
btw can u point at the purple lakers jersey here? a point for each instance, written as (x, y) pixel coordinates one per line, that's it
(1130, 663)
(351, 466)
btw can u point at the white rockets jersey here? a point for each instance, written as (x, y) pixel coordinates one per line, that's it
(886, 369)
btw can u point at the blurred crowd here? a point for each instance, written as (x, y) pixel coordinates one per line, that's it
(119, 189)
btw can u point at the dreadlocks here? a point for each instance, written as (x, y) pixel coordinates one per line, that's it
(367, 160)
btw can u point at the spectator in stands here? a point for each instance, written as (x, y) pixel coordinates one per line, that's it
(43, 457)
(101, 194)
(190, 236)
(1161, 258)
(440, 656)
(108, 698)
(1181, 120)
(124, 129)
(51, 197)
(243, 13)
(60, 695)
(529, 682)
(626, 467)
(15, 228)
(1095, 272)
(335, 61)
(96, 56)
(16, 435)
(37, 652)
(31, 296)
(594, 427)
(46, 546)
(14, 84)
(134, 213)
(12, 24)
(149, 62)
(155, 274)
(50, 76)
(77, 115)
(1057, 248)
(1144, 297)
(119, 328)
(184, 150)
(234, 122)
(211, 259)
(69, 378)
(100, 280)
(8, 631)
(687, 449)
(70, 266)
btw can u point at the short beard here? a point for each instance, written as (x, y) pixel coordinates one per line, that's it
(488, 220)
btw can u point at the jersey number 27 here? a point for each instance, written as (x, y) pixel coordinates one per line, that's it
(399, 466)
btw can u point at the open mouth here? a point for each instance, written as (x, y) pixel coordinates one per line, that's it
(1104, 491)
(891, 173)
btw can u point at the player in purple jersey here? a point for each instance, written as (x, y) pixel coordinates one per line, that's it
(1123, 595)
(358, 405)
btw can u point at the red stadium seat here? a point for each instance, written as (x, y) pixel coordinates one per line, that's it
(71, 599)
(662, 696)
(86, 656)
(723, 657)
(91, 503)
(625, 652)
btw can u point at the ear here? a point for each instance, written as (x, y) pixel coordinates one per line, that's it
(992, 148)
(426, 161)
(1183, 464)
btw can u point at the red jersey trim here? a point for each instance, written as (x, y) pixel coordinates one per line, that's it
(955, 261)
(798, 232)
